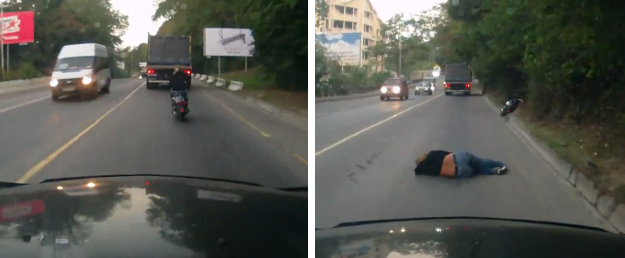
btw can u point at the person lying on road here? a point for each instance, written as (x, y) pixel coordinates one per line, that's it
(457, 164)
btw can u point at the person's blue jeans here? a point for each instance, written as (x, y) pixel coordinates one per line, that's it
(468, 165)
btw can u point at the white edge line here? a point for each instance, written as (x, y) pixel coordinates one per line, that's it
(23, 104)
(372, 126)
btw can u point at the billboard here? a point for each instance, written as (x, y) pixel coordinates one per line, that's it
(18, 27)
(228, 42)
(345, 47)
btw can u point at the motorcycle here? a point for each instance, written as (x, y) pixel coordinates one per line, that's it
(180, 105)
(508, 108)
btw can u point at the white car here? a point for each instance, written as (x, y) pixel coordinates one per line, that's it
(424, 87)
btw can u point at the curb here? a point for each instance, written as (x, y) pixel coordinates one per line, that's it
(23, 85)
(613, 215)
(14, 89)
(295, 118)
(366, 95)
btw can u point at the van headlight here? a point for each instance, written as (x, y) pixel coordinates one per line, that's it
(86, 80)
(396, 89)
(54, 82)
(383, 89)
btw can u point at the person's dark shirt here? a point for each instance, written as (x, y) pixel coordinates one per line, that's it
(432, 164)
(178, 81)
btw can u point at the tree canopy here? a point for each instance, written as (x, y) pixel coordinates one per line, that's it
(564, 56)
(411, 35)
(59, 23)
(280, 34)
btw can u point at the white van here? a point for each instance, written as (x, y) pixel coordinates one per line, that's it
(81, 68)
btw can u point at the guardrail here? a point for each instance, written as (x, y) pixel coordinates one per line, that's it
(219, 82)
(24, 85)
(18, 82)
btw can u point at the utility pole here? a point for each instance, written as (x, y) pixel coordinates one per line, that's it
(2, 35)
(399, 63)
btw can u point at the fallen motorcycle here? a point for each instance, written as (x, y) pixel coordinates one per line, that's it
(509, 107)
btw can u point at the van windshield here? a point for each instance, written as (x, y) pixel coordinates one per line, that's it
(74, 63)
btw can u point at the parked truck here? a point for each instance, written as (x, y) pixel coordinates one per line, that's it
(164, 54)
(458, 78)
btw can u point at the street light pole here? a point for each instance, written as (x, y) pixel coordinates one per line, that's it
(399, 64)
(2, 34)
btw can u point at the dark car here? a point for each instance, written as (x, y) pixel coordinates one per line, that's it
(152, 216)
(394, 88)
(467, 237)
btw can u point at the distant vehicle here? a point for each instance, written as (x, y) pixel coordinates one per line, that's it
(143, 70)
(458, 79)
(81, 69)
(394, 88)
(433, 80)
(424, 87)
(164, 54)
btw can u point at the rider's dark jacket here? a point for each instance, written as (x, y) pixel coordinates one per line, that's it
(178, 81)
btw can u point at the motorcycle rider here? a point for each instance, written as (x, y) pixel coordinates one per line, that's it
(178, 84)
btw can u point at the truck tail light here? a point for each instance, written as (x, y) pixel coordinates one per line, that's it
(187, 71)
(468, 85)
(150, 71)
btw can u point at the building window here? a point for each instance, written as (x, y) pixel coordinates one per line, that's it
(327, 24)
(368, 15)
(337, 24)
(368, 28)
(339, 9)
(351, 25)
(365, 56)
(367, 42)
(351, 11)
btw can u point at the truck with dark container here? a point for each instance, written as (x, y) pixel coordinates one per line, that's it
(165, 53)
(458, 79)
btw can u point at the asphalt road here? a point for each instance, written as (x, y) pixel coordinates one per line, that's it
(366, 151)
(131, 131)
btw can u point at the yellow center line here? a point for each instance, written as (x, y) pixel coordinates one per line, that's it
(263, 133)
(240, 117)
(34, 170)
(300, 158)
(332, 146)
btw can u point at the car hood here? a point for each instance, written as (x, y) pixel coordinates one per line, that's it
(73, 74)
(151, 216)
(467, 238)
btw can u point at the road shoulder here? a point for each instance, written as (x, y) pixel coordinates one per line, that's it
(298, 119)
(602, 202)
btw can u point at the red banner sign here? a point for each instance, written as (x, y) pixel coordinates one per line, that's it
(20, 210)
(18, 27)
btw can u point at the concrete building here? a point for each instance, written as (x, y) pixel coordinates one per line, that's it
(354, 16)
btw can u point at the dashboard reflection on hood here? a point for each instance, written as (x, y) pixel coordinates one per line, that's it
(159, 218)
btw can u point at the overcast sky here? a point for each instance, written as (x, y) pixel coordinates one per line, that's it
(140, 15)
(139, 20)
(387, 8)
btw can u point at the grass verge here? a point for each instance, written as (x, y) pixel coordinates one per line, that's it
(581, 146)
(257, 86)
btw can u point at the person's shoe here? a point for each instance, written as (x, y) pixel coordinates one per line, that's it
(501, 170)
